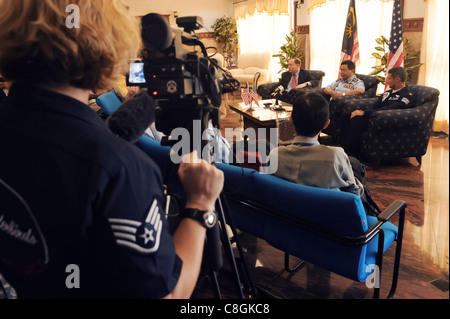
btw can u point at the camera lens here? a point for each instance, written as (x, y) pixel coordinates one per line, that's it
(156, 32)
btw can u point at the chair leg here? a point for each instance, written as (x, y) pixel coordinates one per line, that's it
(286, 264)
(379, 262)
(419, 159)
(398, 252)
(286, 268)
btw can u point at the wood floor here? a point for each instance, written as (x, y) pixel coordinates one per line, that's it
(424, 270)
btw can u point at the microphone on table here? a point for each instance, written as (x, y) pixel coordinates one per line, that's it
(279, 89)
(133, 117)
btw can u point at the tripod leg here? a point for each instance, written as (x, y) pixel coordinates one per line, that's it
(228, 249)
(215, 285)
(246, 274)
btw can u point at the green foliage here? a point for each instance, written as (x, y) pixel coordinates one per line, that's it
(225, 32)
(290, 49)
(409, 55)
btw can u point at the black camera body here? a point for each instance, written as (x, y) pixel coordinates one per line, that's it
(186, 84)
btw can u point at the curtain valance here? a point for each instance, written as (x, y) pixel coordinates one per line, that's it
(319, 3)
(250, 7)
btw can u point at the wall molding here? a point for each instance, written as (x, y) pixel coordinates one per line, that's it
(413, 25)
(203, 35)
(302, 29)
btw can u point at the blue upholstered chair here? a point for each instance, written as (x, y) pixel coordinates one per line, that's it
(109, 102)
(153, 149)
(324, 227)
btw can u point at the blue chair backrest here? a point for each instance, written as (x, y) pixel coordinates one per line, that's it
(109, 102)
(153, 149)
(339, 212)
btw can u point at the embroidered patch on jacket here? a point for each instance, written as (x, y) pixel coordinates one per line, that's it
(141, 237)
(405, 100)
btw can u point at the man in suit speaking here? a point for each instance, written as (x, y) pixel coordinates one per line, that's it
(294, 78)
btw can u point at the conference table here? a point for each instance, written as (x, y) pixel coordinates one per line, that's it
(266, 116)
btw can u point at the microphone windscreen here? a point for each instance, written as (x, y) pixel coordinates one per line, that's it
(133, 117)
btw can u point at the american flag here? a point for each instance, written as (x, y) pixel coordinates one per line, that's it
(254, 97)
(245, 93)
(395, 57)
(350, 44)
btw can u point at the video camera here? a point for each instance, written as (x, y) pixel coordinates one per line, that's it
(187, 85)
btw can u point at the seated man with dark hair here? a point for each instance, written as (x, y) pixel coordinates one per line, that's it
(348, 84)
(307, 162)
(398, 96)
(294, 78)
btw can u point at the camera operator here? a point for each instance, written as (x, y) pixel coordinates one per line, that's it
(97, 198)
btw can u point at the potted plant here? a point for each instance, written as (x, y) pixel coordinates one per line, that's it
(290, 49)
(409, 55)
(225, 33)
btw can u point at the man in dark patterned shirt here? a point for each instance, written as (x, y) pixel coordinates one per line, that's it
(398, 96)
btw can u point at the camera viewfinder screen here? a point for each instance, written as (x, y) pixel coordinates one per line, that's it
(137, 73)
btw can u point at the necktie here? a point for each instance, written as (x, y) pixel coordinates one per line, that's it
(294, 81)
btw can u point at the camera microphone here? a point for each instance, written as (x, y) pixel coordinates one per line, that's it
(133, 117)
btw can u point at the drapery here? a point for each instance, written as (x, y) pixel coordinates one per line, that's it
(262, 27)
(250, 7)
(327, 25)
(434, 55)
(318, 3)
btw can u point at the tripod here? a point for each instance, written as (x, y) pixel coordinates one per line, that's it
(212, 261)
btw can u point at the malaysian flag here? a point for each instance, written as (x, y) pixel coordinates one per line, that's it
(350, 43)
(395, 57)
(246, 97)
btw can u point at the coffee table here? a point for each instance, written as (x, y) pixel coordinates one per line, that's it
(267, 116)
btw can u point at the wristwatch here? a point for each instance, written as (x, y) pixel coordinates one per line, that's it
(207, 219)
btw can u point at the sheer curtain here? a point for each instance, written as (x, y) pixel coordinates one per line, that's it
(327, 25)
(434, 55)
(262, 27)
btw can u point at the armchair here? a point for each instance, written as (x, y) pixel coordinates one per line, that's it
(253, 68)
(347, 103)
(330, 230)
(401, 133)
(265, 90)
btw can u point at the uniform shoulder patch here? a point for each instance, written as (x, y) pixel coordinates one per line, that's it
(142, 237)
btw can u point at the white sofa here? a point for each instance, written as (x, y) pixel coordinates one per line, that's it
(253, 69)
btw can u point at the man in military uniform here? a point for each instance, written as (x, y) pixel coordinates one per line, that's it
(348, 84)
(398, 96)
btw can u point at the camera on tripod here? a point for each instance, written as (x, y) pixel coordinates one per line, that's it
(188, 85)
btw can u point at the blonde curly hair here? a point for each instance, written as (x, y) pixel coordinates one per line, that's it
(37, 47)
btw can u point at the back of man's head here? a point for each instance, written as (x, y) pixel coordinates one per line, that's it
(310, 113)
(399, 72)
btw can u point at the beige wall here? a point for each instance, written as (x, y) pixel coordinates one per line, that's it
(208, 10)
